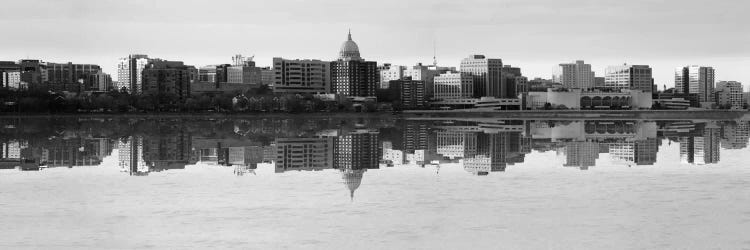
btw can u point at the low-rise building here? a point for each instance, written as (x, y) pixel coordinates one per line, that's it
(578, 99)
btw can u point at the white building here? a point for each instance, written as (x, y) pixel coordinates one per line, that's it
(453, 86)
(11, 79)
(578, 99)
(129, 72)
(635, 77)
(577, 75)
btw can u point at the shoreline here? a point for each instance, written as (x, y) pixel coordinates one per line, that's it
(437, 114)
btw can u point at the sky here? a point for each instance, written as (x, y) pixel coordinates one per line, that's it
(536, 35)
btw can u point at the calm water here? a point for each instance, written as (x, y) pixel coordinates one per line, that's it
(373, 183)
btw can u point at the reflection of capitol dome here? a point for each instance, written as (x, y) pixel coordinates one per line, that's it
(352, 179)
(349, 50)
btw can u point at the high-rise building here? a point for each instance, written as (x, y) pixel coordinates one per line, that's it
(729, 94)
(351, 74)
(129, 73)
(577, 75)
(512, 80)
(695, 80)
(166, 77)
(486, 75)
(388, 72)
(634, 77)
(453, 86)
(301, 76)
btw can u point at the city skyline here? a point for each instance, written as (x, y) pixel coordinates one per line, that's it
(603, 37)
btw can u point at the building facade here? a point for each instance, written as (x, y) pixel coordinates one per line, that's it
(487, 77)
(166, 77)
(388, 72)
(695, 80)
(71, 77)
(453, 86)
(301, 76)
(351, 75)
(635, 77)
(129, 73)
(577, 75)
(729, 94)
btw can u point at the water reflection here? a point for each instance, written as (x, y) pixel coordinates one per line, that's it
(352, 147)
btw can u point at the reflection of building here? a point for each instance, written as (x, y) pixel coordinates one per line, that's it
(735, 135)
(139, 155)
(701, 150)
(75, 152)
(642, 152)
(494, 152)
(304, 154)
(581, 154)
(357, 150)
(131, 156)
(352, 179)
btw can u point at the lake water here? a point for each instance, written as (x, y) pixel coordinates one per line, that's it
(373, 183)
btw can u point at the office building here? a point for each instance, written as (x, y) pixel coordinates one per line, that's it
(72, 77)
(695, 80)
(129, 73)
(301, 76)
(577, 75)
(512, 80)
(634, 77)
(486, 75)
(352, 76)
(729, 95)
(267, 76)
(453, 86)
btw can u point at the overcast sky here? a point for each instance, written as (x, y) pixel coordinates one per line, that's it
(536, 35)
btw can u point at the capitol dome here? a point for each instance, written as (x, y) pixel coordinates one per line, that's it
(349, 50)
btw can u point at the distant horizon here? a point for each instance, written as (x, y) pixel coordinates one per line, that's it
(533, 35)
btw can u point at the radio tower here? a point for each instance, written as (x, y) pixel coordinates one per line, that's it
(434, 54)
